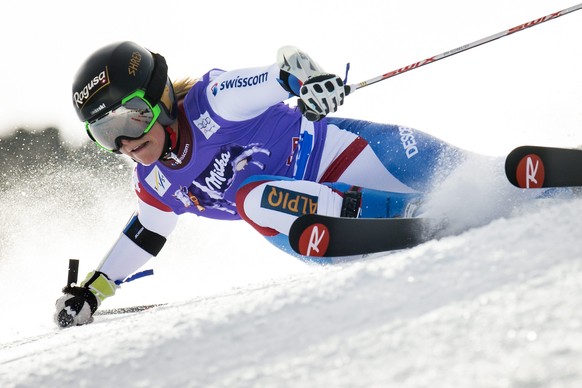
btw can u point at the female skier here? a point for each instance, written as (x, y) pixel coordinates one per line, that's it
(227, 146)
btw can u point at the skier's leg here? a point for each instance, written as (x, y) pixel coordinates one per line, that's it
(271, 203)
(386, 157)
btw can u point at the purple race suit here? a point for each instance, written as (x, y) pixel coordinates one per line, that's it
(225, 152)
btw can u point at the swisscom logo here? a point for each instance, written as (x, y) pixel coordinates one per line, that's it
(240, 82)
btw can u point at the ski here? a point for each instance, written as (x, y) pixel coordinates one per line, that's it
(127, 310)
(325, 236)
(530, 167)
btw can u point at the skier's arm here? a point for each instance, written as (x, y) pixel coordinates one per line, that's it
(242, 94)
(142, 238)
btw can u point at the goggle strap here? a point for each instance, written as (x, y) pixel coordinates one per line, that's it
(157, 83)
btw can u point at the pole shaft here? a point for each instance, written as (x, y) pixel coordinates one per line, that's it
(466, 47)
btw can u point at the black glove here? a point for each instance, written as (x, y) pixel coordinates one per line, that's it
(76, 307)
(78, 304)
(321, 95)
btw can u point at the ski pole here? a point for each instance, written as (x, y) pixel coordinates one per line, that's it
(416, 65)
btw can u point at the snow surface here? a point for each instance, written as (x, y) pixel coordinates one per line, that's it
(497, 305)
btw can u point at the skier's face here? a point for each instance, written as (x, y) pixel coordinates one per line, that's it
(146, 149)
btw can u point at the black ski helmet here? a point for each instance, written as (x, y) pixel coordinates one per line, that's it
(114, 72)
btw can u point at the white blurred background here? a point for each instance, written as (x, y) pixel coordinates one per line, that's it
(488, 99)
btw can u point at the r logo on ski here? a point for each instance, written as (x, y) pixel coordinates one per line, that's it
(314, 240)
(530, 172)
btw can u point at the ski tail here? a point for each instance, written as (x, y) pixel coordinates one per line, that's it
(530, 167)
(324, 236)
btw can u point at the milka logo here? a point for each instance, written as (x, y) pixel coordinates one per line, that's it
(158, 181)
(408, 141)
(217, 175)
(94, 85)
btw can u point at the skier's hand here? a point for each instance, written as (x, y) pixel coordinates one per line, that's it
(78, 304)
(75, 307)
(321, 95)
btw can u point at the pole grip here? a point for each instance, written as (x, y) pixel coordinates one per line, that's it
(73, 271)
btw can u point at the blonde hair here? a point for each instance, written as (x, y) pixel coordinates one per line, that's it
(183, 86)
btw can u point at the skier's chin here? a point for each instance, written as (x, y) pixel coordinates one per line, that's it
(144, 154)
(146, 161)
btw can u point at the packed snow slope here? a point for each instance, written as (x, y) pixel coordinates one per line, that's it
(498, 304)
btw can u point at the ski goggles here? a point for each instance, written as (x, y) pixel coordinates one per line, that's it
(133, 118)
